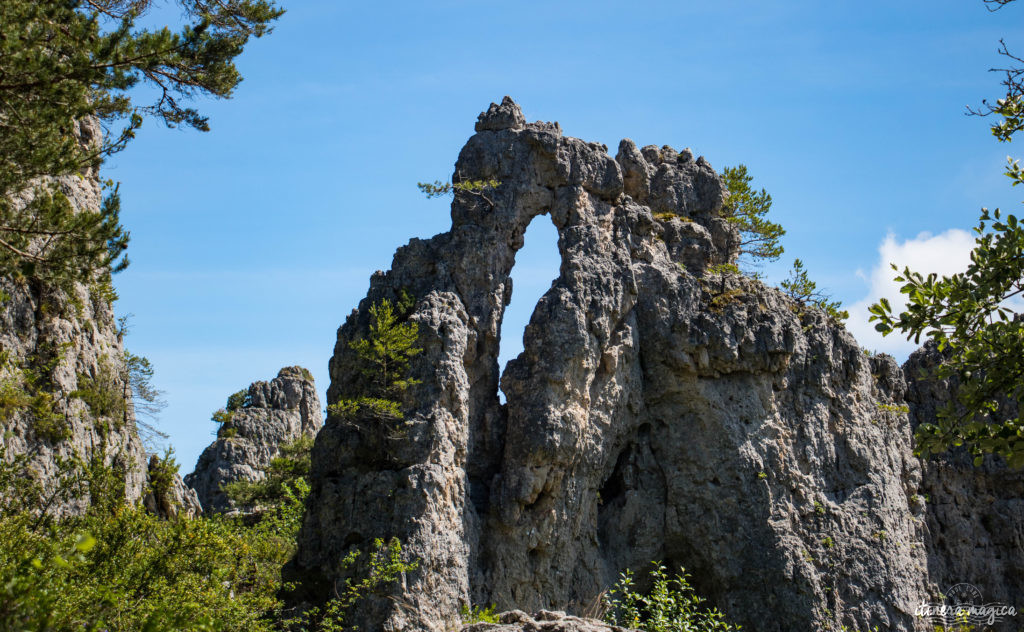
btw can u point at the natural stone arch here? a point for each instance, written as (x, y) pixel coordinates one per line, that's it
(538, 265)
(639, 334)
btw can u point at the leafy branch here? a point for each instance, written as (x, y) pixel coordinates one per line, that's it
(971, 317)
(478, 188)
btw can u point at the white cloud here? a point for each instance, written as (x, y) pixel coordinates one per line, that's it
(943, 254)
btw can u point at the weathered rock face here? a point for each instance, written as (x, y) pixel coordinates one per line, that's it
(46, 339)
(59, 348)
(975, 515)
(662, 409)
(275, 413)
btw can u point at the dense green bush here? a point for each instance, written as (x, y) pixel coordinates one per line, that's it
(476, 614)
(238, 400)
(285, 475)
(26, 387)
(105, 392)
(670, 606)
(223, 416)
(119, 568)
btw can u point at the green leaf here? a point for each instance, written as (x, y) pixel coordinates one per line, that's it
(85, 543)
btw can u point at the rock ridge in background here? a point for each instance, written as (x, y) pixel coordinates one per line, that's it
(974, 514)
(274, 413)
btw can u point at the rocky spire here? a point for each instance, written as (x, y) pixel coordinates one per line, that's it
(274, 413)
(63, 390)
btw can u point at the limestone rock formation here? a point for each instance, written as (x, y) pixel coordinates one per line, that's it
(975, 515)
(62, 368)
(274, 413)
(663, 408)
(56, 348)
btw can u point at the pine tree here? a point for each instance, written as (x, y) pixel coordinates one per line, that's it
(383, 358)
(65, 63)
(747, 209)
(799, 286)
(386, 352)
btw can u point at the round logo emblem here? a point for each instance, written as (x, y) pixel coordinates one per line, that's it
(963, 595)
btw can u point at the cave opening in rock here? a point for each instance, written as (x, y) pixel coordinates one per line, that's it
(537, 266)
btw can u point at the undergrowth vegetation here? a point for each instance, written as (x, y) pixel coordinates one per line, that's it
(118, 568)
(284, 479)
(671, 605)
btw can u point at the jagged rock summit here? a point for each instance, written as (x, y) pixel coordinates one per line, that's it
(663, 408)
(273, 413)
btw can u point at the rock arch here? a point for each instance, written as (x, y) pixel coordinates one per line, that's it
(716, 414)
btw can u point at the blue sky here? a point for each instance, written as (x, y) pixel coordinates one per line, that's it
(252, 243)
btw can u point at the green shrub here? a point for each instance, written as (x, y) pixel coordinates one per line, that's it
(724, 268)
(162, 472)
(119, 568)
(723, 300)
(105, 392)
(103, 290)
(141, 573)
(385, 567)
(47, 421)
(476, 614)
(27, 388)
(238, 400)
(670, 606)
(223, 416)
(283, 474)
(12, 397)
